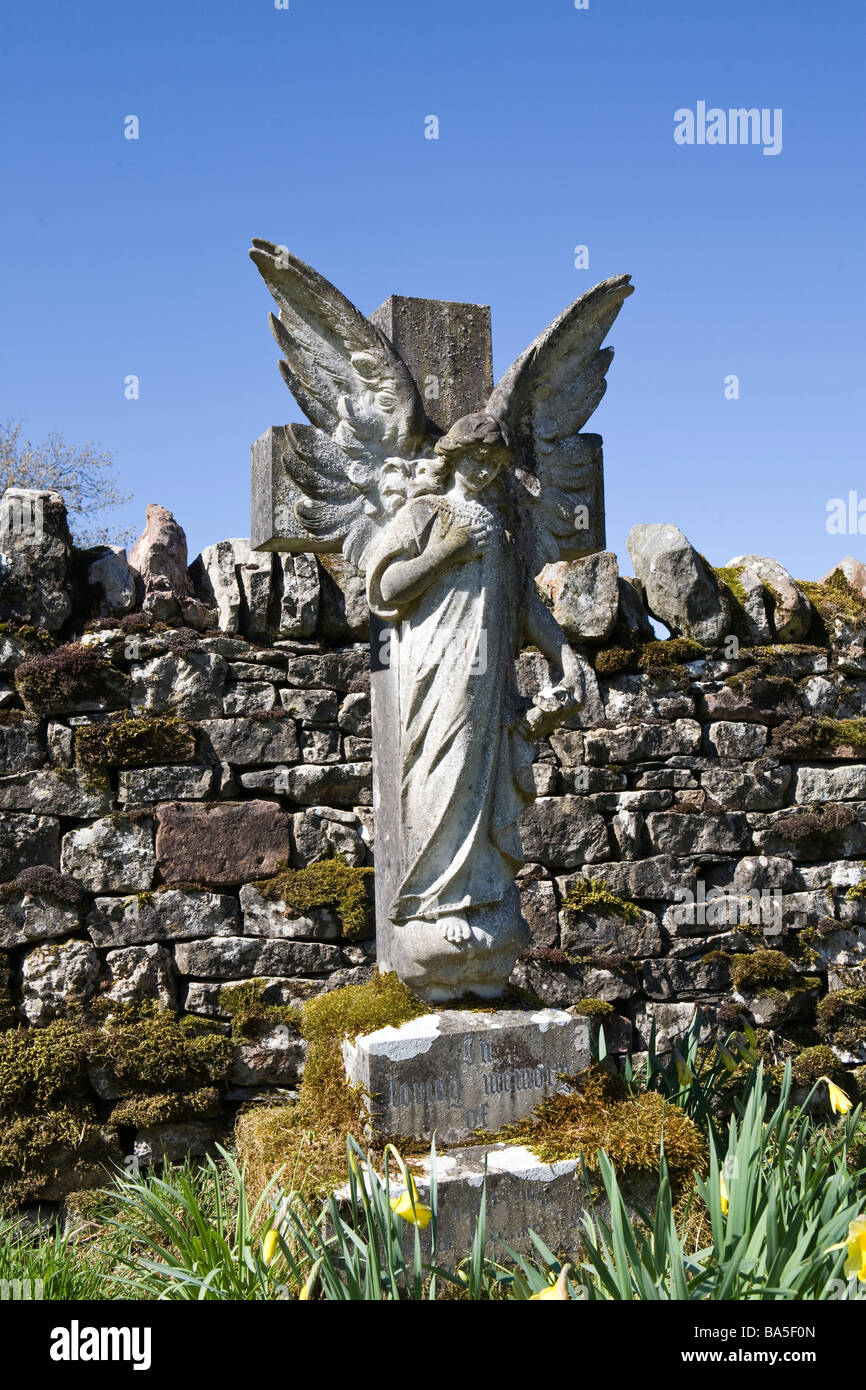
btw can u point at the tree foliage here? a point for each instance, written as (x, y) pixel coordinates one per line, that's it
(84, 475)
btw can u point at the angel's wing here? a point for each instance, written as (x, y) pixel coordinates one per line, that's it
(544, 400)
(356, 391)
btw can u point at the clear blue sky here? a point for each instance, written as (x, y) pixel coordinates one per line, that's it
(306, 126)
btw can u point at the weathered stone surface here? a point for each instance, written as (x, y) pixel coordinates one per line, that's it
(248, 697)
(347, 784)
(822, 784)
(142, 786)
(762, 871)
(204, 996)
(586, 933)
(681, 590)
(655, 877)
(138, 973)
(271, 918)
(343, 612)
(159, 559)
(109, 581)
(671, 1021)
(453, 1072)
(26, 841)
(539, 907)
(583, 595)
(730, 703)
(683, 979)
(730, 739)
(273, 1057)
(20, 747)
(755, 602)
(173, 1143)
(249, 742)
(563, 832)
(222, 844)
(35, 584)
(328, 670)
(297, 594)
(672, 833)
(760, 786)
(63, 792)
(354, 714)
(629, 743)
(791, 611)
(447, 348)
(168, 915)
(188, 685)
(111, 855)
(324, 830)
(35, 917)
(57, 978)
(632, 611)
(311, 707)
(215, 575)
(238, 957)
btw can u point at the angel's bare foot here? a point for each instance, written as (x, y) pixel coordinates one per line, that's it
(457, 929)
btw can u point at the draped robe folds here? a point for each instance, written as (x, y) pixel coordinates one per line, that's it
(462, 760)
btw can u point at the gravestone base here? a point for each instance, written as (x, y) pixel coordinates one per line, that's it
(451, 1073)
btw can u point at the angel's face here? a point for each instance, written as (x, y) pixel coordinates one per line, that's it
(477, 471)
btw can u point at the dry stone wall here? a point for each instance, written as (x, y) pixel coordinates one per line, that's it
(172, 738)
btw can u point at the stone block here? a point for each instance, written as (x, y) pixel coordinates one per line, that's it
(239, 957)
(167, 915)
(220, 845)
(142, 786)
(26, 841)
(111, 855)
(453, 1072)
(249, 742)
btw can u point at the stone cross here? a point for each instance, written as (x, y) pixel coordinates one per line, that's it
(448, 349)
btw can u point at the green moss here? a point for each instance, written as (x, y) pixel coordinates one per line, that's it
(309, 1137)
(813, 1063)
(593, 895)
(66, 1144)
(38, 1065)
(857, 892)
(159, 1051)
(594, 1008)
(131, 741)
(648, 658)
(835, 601)
(71, 675)
(630, 1131)
(35, 639)
(821, 737)
(760, 970)
(329, 883)
(247, 1008)
(166, 1108)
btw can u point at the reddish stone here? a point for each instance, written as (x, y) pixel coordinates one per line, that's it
(221, 845)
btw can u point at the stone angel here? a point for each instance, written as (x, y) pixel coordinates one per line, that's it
(450, 531)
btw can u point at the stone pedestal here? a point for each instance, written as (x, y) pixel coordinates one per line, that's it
(455, 1072)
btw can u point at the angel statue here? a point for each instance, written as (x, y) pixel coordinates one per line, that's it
(450, 531)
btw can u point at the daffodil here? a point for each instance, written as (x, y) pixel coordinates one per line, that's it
(410, 1207)
(270, 1246)
(840, 1104)
(684, 1073)
(304, 1295)
(557, 1291)
(723, 1194)
(856, 1243)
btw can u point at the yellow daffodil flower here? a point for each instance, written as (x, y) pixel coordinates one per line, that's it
(840, 1104)
(557, 1291)
(410, 1208)
(684, 1074)
(304, 1295)
(856, 1243)
(723, 1194)
(270, 1246)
